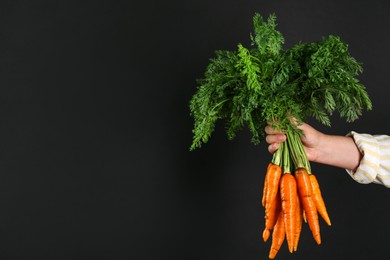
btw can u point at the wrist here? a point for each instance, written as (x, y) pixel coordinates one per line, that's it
(338, 151)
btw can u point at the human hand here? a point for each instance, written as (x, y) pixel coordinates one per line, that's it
(310, 139)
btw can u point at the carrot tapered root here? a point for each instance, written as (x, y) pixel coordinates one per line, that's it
(278, 236)
(318, 200)
(273, 175)
(265, 185)
(299, 224)
(308, 204)
(271, 215)
(288, 195)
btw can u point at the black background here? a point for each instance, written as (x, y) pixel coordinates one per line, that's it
(95, 130)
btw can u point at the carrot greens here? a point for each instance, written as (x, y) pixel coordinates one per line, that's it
(264, 83)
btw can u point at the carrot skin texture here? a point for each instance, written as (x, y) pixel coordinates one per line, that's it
(308, 204)
(273, 175)
(278, 236)
(318, 199)
(299, 219)
(271, 216)
(265, 185)
(288, 195)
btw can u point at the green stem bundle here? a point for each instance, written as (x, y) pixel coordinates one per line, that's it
(297, 151)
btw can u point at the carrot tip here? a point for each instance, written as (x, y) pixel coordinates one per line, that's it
(273, 252)
(318, 239)
(266, 235)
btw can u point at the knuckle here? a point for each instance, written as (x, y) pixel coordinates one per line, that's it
(269, 139)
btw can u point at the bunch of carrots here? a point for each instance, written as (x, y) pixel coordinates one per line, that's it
(268, 84)
(291, 195)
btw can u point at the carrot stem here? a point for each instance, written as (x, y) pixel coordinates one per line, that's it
(286, 165)
(277, 156)
(297, 151)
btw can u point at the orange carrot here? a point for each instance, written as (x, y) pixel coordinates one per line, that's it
(265, 185)
(271, 216)
(308, 204)
(299, 224)
(318, 200)
(277, 236)
(288, 195)
(272, 181)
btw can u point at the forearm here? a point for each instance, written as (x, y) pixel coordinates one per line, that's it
(338, 151)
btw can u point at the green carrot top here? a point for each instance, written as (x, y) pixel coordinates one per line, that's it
(268, 84)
